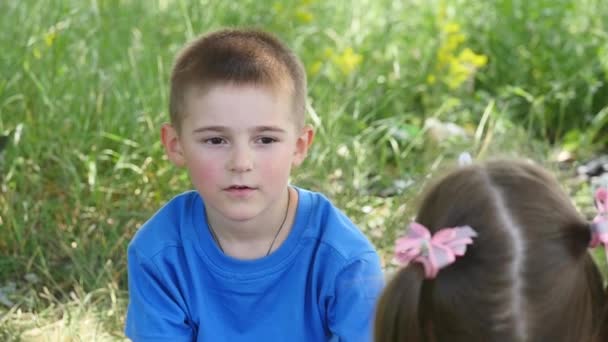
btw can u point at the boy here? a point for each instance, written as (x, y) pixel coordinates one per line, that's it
(246, 257)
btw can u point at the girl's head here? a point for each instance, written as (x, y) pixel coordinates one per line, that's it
(526, 277)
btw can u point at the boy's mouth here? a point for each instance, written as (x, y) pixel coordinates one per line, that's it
(239, 187)
(240, 191)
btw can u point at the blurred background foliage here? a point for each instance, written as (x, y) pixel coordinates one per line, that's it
(398, 89)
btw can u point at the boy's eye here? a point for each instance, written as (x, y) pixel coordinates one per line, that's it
(214, 141)
(266, 140)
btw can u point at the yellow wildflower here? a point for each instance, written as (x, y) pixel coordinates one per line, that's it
(458, 73)
(348, 61)
(444, 56)
(49, 38)
(452, 27)
(467, 56)
(463, 67)
(454, 40)
(303, 15)
(315, 68)
(454, 68)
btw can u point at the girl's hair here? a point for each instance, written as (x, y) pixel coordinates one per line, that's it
(526, 277)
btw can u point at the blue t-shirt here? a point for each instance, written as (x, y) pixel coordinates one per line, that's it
(321, 284)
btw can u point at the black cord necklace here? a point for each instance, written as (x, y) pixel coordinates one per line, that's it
(217, 241)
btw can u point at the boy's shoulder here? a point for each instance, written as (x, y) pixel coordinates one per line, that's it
(167, 226)
(333, 228)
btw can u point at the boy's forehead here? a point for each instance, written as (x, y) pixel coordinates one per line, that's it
(283, 90)
(213, 102)
(227, 96)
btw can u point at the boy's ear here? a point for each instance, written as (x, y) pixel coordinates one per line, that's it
(302, 144)
(173, 147)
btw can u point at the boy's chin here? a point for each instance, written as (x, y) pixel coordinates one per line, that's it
(240, 214)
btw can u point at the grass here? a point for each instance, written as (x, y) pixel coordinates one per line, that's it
(83, 90)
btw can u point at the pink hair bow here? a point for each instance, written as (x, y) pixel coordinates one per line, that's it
(433, 252)
(599, 228)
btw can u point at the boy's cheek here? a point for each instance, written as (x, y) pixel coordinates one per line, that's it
(204, 173)
(275, 171)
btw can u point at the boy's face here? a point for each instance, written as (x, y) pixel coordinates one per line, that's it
(238, 143)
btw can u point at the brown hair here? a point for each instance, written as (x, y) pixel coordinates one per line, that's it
(241, 57)
(526, 277)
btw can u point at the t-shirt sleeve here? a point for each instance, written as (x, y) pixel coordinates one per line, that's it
(154, 312)
(352, 307)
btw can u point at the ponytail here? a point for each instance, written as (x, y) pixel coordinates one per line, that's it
(603, 328)
(398, 314)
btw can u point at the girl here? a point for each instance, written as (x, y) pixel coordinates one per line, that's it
(522, 271)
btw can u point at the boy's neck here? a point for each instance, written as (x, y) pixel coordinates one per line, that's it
(253, 238)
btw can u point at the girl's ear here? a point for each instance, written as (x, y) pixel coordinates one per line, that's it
(302, 144)
(173, 147)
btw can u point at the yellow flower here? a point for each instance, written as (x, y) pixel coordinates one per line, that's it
(444, 56)
(303, 15)
(452, 27)
(315, 68)
(467, 56)
(454, 40)
(454, 68)
(463, 67)
(347, 61)
(458, 73)
(49, 38)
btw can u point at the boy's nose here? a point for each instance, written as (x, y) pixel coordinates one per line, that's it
(241, 160)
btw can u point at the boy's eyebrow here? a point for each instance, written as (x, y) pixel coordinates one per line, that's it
(224, 128)
(269, 129)
(209, 128)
